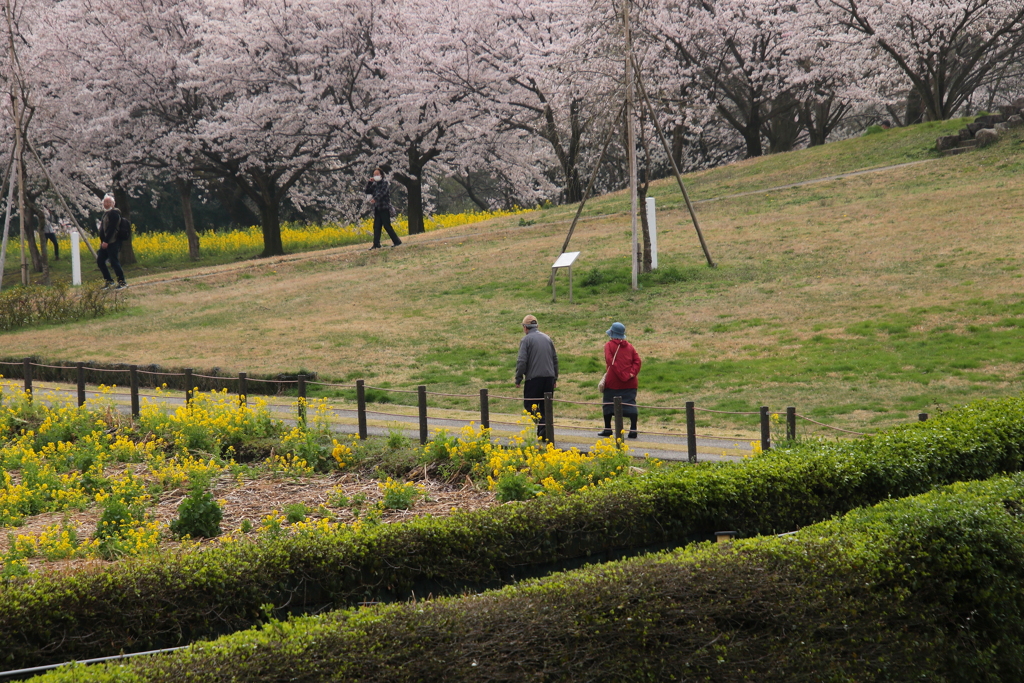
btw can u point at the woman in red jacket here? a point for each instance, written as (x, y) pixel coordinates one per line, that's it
(623, 365)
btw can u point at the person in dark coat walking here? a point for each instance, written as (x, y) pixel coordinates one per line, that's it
(537, 363)
(623, 365)
(110, 244)
(379, 190)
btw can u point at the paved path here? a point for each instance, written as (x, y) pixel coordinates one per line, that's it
(382, 420)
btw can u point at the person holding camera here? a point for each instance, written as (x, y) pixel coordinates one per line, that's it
(379, 190)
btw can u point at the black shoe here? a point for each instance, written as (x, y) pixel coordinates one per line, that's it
(605, 432)
(376, 246)
(108, 284)
(121, 285)
(397, 244)
(631, 435)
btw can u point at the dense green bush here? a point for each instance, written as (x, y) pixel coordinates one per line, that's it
(926, 589)
(199, 514)
(24, 306)
(168, 600)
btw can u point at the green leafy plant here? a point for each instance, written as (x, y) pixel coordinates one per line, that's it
(199, 515)
(295, 512)
(399, 495)
(396, 438)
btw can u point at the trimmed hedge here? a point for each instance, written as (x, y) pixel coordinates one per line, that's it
(928, 588)
(167, 600)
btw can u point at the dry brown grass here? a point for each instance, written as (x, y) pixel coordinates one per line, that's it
(807, 261)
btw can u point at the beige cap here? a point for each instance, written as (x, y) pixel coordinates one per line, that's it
(530, 320)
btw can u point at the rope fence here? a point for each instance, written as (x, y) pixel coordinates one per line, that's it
(543, 417)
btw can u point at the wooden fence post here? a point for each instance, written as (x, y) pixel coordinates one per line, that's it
(485, 410)
(691, 432)
(188, 386)
(922, 417)
(26, 365)
(421, 395)
(80, 368)
(766, 432)
(361, 408)
(243, 388)
(549, 418)
(133, 374)
(302, 399)
(617, 412)
(791, 423)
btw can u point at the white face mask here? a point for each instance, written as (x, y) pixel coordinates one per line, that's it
(377, 178)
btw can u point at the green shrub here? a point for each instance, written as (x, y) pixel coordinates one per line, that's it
(199, 515)
(295, 512)
(154, 602)
(37, 305)
(515, 486)
(926, 589)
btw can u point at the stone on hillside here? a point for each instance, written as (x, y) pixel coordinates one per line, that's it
(1015, 121)
(1019, 103)
(975, 127)
(986, 137)
(990, 119)
(947, 142)
(1008, 110)
(1000, 127)
(965, 134)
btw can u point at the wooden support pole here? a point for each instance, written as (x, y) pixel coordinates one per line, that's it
(617, 412)
(485, 410)
(243, 388)
(80, 371)
(133, 374)
(302, 399)
(421, 395)
(549, 417)
(361, 408)
(188, 386)
(766, 432)
(691, 432)
(791, 423)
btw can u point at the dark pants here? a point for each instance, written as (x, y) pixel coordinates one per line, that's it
(51, 237)
(533, 395)
(110, 253)
(383, 219)
(629, 409)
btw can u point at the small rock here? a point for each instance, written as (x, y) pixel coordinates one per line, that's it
(947, 142)
(1015, 121)
(986, 137)
(965, 134)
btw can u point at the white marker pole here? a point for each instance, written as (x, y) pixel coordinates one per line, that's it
(653, 225)
(76, 260)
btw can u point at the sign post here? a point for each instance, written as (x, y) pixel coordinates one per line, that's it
(564, 261)
(76, 260)
(652, 225)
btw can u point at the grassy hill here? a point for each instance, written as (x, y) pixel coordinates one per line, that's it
(860, 301)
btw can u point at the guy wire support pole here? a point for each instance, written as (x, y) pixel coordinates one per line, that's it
(71, 215)
(675, 167)
(590, 186)
(631, 142)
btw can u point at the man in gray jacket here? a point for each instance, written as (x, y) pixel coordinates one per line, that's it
(538, 363)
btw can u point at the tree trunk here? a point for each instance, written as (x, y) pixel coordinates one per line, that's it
(185, 193)
(127, 254)
(915, 108)
(270, 221)
(41, 230)
(412, 180)
(783, 128)
(27, 214)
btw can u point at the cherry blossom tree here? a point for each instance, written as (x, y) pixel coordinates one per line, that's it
(946, 49)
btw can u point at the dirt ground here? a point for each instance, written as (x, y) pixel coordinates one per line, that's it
(254, 499)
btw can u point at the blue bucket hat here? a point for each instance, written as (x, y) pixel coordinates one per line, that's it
(617, 331)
